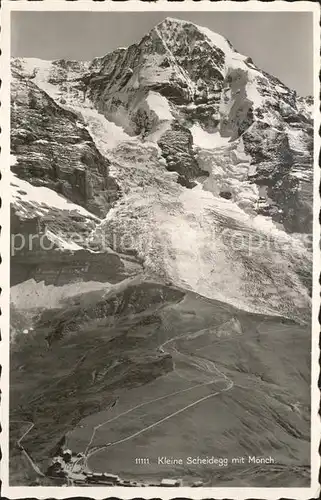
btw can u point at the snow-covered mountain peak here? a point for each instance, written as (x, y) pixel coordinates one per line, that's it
(180, 109)
(178, 31)
(170, 23)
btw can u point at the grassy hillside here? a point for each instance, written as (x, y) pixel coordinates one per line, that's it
(100, 349)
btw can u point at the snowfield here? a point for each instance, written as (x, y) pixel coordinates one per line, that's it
(159, 105)
(106, 133)
(217, 247)
(31, 295)
(40, 200)
(206, 140)
(209, 245)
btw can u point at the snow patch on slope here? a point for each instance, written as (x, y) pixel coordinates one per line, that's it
(229, 168)
(31, 294)
(40, 200)
(61, 242)
(232, 57)
(206, 140)
(39, 70)
(159, 105)
(252, 91)
(211, 246)
(297, 140)
(107, 135)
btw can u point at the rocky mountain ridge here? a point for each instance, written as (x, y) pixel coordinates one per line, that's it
(179, 110)
(181, 75)
(54, 149)
(161, 194)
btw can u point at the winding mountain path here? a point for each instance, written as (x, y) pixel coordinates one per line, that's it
(23, 450)
(205, 365)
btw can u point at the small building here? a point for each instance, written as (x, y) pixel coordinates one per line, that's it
(67, 454)
(57, 461)
(56, 468)
(95, 477)
(111, 477)
(171, 482)
(79, 481)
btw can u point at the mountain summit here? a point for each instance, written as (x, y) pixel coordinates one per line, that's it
(182, 79)
(178, 118)
(166, 190)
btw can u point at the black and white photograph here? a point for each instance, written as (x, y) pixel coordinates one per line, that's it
(162, 317)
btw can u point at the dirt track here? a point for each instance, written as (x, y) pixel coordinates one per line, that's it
(203, 365)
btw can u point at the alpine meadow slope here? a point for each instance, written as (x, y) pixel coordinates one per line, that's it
(166, 189)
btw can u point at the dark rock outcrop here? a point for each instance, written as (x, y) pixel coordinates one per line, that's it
(177, 148)
(54, 149)
(285, 172)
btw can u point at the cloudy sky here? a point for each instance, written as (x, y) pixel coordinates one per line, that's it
(279, 42)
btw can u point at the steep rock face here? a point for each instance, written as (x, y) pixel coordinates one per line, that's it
(305, 106)
(206, 81)
(180, 75)
(177, 149)
(61, 79)
(165, 64)
(54, 149)
(198, 115)
(197, 108)
(283, 168)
